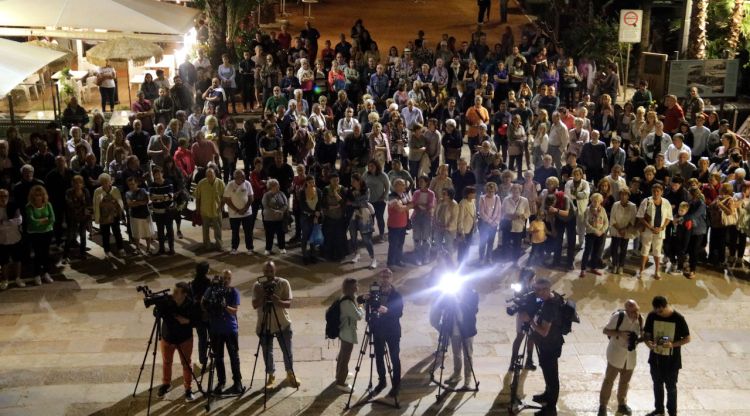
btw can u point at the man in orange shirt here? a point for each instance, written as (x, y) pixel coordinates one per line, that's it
(475, 116)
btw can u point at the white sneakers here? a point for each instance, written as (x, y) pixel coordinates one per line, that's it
(282, 251)
(373, 264)
(20, 283)
(346, 388)
(38, 280)
(47, 279)
(266, 253)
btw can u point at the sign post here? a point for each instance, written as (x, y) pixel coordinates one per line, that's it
(631, 25)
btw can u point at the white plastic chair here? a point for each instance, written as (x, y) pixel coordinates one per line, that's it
(90, 85)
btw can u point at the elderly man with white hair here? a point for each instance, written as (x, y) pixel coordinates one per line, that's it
(301, 103)
(672, 155)
(683, 167)
(623, 329)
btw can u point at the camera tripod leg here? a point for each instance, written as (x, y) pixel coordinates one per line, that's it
(145, 355)
(440, 352)
(211, 368)
(284, 351)
(157, 337)
(366, 344)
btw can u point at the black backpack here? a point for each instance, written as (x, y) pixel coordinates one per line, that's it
(621, 315)
(568, 315)
(333, 319)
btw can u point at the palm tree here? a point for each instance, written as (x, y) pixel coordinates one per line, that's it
(216, 11)
(735, 28)
(697, 35)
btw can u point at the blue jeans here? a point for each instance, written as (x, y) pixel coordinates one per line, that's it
(396, 237)
(266, 344)
(218, 341)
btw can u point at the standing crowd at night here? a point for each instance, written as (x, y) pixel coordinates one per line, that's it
(512, 147)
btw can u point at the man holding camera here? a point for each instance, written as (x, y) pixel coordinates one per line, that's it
(385, 309)
(177, 315)
(624, 331)
(664, 333)
(272, 298)
(224, 329)
(547, 331)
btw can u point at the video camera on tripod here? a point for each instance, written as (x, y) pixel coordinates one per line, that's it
(269, 285)
(151, 298)
(526, 302)
(374, 300)
(215, 299)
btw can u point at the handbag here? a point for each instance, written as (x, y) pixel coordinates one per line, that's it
(316, 236)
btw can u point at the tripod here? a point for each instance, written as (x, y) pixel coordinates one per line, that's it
(516, 405)
(154, 338)
(209, 394)
(367, 347)
(447, 323)
(266, 335)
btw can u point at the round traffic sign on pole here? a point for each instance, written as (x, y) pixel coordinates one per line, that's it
(630, 19)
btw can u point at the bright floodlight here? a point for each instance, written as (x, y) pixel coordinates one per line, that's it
(450, 283)
(517, 287)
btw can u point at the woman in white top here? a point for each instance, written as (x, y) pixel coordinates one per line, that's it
(516, 209)
(579, 190)
(350, 314)
(489, 219)
(105, 79)
(541, 144)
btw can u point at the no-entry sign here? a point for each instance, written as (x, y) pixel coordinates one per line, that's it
(631, 23)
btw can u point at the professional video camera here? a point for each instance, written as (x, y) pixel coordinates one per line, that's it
(269, 284)
(524, 302)
(150, 298)
(215, 299)
(374, 301)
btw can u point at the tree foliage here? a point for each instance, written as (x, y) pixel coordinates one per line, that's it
(722, 42)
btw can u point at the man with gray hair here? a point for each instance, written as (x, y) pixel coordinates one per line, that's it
(624, 330)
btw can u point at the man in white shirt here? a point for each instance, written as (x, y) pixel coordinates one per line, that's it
(653, 214)
(672, 155)
(202, 61)
(346, 124)
(624, 329)
(238, 195)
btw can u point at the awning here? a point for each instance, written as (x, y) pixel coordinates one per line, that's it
(19, 61)
(129, 16)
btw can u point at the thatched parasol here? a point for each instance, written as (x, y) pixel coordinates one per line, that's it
(124, 50)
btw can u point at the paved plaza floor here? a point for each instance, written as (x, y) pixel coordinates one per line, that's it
(74, 347)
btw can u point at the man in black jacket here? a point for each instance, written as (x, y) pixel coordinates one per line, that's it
(386, 330)
(177, 316)
(547, 332)
(457, 314)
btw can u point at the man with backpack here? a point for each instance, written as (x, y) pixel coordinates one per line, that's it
(547, 330)
(624, 330)
(341, 323)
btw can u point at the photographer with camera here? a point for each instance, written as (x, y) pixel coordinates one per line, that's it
(624, 330)
(459, 317)
(385, 307)
(222, 301)
(177, 314)
(525, 306)
(665, 332)
(546, 328)
(198, 287)
(272, 297)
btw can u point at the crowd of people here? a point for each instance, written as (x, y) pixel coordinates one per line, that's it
(507, 147)
(377, 144)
